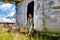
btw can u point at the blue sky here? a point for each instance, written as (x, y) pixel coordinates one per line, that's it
(7, 11)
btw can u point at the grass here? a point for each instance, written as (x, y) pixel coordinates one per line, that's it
(12, 36)
(17, 36)
(6, 36)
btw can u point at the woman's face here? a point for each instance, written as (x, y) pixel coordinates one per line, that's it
(30, 15)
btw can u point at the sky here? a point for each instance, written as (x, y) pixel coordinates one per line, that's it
(7, 12)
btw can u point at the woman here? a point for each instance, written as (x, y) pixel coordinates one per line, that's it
(30, 24)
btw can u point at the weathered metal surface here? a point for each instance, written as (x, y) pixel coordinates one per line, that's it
(22, 12)
(38, 21)
(51, 15)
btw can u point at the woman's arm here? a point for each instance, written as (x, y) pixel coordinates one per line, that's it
(28, 20)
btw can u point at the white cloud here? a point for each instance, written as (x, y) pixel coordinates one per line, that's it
(13, 8)
(11, 14)
(14, 19)
(7, 14)
(8, 20)
(3, 19)
(6, 6)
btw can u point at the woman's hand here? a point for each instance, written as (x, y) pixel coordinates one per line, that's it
(29, 34)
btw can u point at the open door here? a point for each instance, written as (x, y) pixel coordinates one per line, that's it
(30, 9)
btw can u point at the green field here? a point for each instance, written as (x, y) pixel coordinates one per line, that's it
(6, 36)
(19, 36)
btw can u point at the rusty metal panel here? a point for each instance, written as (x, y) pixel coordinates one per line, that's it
(51, 17)
(38, 21)
(53, 22)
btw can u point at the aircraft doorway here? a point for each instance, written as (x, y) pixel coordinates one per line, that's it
(30, 9)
